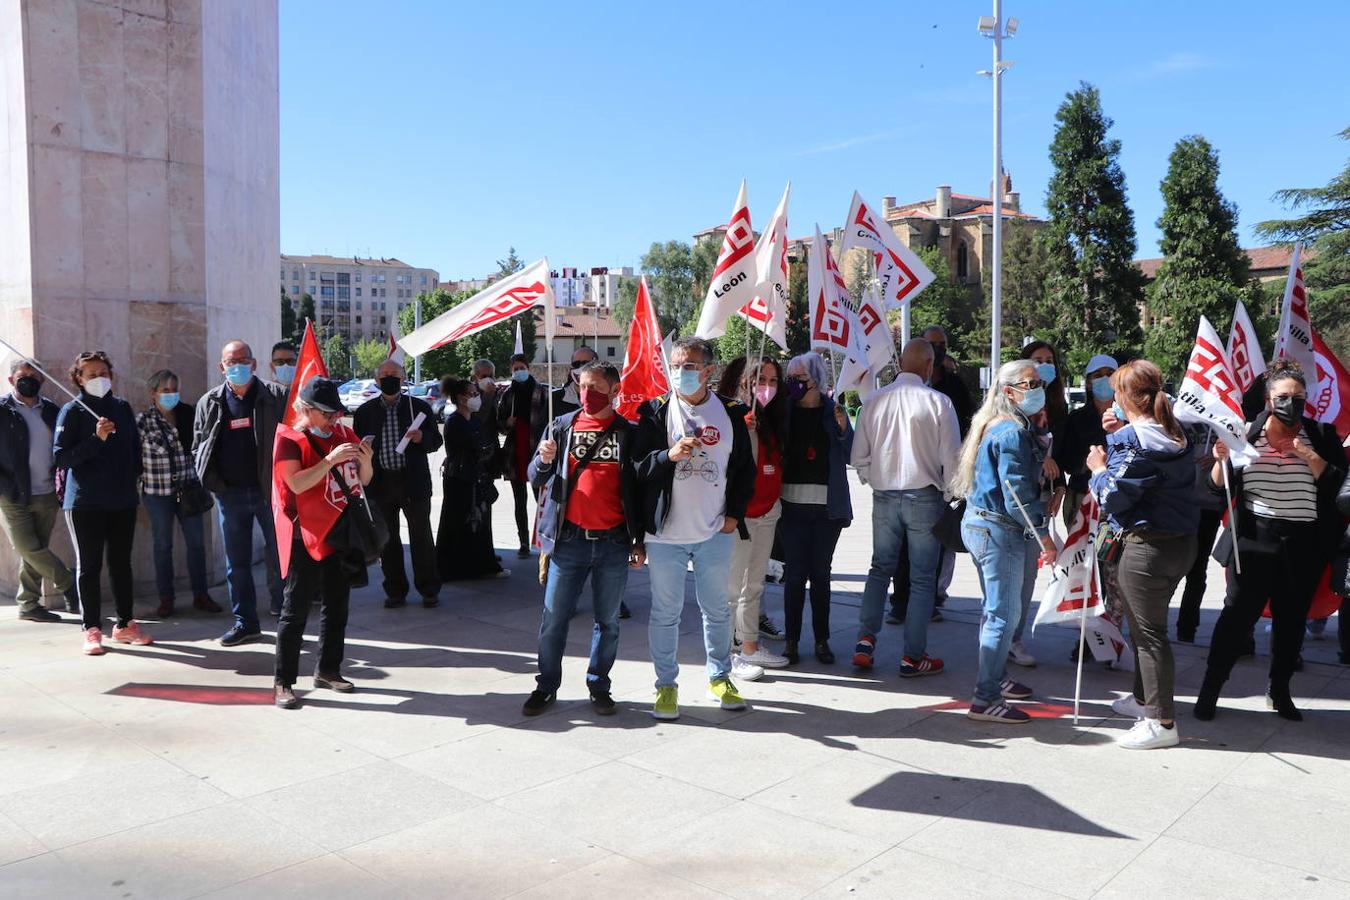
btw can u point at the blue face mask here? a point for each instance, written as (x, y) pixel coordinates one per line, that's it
(1118, 412)
(687, 383)
(239, 374)
(520, 375)
(285, 374)
(1032, 402)
(1101, 388)
(320, 433)
(168, 401)
(1045, 372)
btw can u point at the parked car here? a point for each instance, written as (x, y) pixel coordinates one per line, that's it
(357, 391)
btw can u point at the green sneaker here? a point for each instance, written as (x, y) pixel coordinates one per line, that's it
(667, 703)
(725, 692)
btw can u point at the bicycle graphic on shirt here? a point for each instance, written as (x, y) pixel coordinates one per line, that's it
(699, 462)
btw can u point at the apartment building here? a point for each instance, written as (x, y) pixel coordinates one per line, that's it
(355, 296)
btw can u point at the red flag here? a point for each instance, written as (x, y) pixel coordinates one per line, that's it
(644, 371)
(1329, 395)
(307, 366)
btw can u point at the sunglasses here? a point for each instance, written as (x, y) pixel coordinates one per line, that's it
(1029, 385)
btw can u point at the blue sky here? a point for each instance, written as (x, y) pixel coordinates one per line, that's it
(444, 132)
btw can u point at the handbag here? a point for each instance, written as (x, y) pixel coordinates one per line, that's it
(948, 527)
(193, 498)
(360, 533)
(1110, 544)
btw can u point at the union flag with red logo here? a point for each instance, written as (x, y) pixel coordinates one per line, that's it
(900, 272)
(1244, 349)
(734, 277)
(1329, 389)
(1295, 336)
(1210, 395)
(831, 319)
(513, 295)
(308, 364)
(644, 370)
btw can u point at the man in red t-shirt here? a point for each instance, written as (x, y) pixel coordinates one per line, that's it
(590, 526)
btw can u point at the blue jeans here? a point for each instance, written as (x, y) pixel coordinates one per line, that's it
(1031, 565)
(572, 560)
(712, 573)
(162, 511)
(238, 508)
(999, 549)
(903, 519)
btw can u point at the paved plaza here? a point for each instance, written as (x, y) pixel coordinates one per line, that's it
(164, 771)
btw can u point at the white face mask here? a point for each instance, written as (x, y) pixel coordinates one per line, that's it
(98, 387)
(474, 404)
(486, 384)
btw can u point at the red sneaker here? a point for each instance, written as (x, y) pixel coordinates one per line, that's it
(863, 652)
(924, 665)
(93, 642)
(131, 634)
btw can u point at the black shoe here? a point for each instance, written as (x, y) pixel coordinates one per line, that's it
(431, 602)
(824, 653)
(240, 635)
(395, 602)
(333, 683)
(603, 704)
(1298, 663)
(538, 701)
(523, 552)
(790, 651)
(1283, 704)
(1185, 637)
(893, 619)
(284, 696)
(41, 614)
(1206, 705)
(768, 630)
(1249, 649)
(72, 599)
(624, 611)
(274, 611)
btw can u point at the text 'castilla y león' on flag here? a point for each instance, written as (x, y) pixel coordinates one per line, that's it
(1210, 395)
(900, 273)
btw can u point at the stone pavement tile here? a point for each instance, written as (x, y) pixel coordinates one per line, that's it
(29, 712)
(60, 814)
(1298, 763)
(616, 805)
(322, 878)
(900, 872)
(1209, 872)
(501, 762)
(618, 876)
(81, 752)
(192, 854)
(50, 875)
(359, 805)
(34, 643)
(613, 737)
(868, 796)
(483, 852)
(1306, 836)
(751, 851)
(16, 844)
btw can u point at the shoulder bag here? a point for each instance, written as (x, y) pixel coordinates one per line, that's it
(360, 533)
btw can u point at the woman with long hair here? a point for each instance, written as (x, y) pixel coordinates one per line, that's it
(999, 474)
(464, 537)
(1050, 369)
(1144, 483)
(1287, 530)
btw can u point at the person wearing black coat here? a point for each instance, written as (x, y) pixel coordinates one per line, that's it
(1288, 528)
(464, 537)
(522, 415)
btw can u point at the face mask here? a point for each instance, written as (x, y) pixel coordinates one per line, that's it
(239, 374)
(1101, 389)
(285, 374)
(98, 387)
(765, 393)
(520, 376)
(1032, 402)
(27, 386)
(1119, 412)
(1288, 410)
(796, 389)
(576, 376)
(687, 383)
(939, 354)
(475, 403)
(486, 384)
(1045, 372)
(168, 401)
(594, 402)
(320, 432)
(390, 385)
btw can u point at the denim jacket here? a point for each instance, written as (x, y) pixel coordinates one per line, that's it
(1010, 451)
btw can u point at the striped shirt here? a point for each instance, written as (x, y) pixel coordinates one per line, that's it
(1279, 485)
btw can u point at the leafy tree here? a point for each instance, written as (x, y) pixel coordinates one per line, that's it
(1093, 288)
(799, 309)
(287, 315)
(306, 314)
(509, 266)
(703, 258)
(953, 306)
(669, 268)
(624, 304)
(369, 354)
(337, 355)
(1204, 271)
(1023, 286)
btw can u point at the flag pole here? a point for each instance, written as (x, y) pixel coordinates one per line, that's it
(1082, 628)
(1228, 495)
(28, 360)
(548, 353)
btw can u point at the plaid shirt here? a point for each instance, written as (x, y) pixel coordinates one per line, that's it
(163, 459)
(390, 435)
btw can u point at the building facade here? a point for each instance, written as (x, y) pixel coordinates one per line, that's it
(358, 298)
(597, 287)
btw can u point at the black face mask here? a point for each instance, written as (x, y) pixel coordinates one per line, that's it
(1288, 410)
(939, 354)
(27, 386)
(390, 385)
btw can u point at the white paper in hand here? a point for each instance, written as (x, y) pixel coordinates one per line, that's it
(416, 424)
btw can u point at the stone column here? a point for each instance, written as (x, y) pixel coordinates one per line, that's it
(139, 201)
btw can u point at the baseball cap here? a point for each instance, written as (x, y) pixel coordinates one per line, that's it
(321, 393)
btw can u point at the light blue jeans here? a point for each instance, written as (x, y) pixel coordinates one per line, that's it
(668, 564)
(900, 519)
(999, 548)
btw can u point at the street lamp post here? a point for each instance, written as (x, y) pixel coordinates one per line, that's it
(995, 28)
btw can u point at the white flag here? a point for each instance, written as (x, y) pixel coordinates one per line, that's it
(855, 374)
(734, 277)
(395, 353)
(901, 273)
(768, 310)
(876, 330)
(519, 349)
(1244, 349)
(1072, 591)
(831, 319)
(1210, 396)
(1295, 337)
(513, 295)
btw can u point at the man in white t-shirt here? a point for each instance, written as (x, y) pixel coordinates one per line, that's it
(693, 457)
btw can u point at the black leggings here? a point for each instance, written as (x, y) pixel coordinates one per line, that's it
(522, 511)
(95, 530)
(809, 537)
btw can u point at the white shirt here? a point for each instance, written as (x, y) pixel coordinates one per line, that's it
(698, 498)
(907, 437)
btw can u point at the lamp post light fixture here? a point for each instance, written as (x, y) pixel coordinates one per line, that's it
(995, 28)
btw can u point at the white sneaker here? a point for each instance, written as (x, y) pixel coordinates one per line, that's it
(764, 658)
(743, 670)
(1149, 734)
(1128, 707)
(1020, 655)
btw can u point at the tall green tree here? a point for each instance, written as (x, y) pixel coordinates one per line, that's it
(1023, 288)
(509, 266)
(1093, 288)
(1204, 271)
(953, 306)
(669, 268)
(306, 314)
(369, 354)
(799, 309)
(287, 315)
(457, 358)
(337, 356)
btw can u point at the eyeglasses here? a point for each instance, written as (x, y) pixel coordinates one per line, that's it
(1029, 385)
(330, 416)
(284, 361)
(690, 367)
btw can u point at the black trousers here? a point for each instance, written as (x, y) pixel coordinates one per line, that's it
(307, 581)
(391, 496)
(1287, 576)
(522, 513)
(98, 532)
(809, 537)
(1188, 618)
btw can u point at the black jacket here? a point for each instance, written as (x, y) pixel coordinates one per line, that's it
(651, 453)
(1330, 525)
(554, 481)
(535, 395)
(1080, 432)
(14, 475)
(368, 421)
(269, 409)
(1340, 565)
(951, 385)
(102, 474)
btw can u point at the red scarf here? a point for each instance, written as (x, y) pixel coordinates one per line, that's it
(316, 509)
